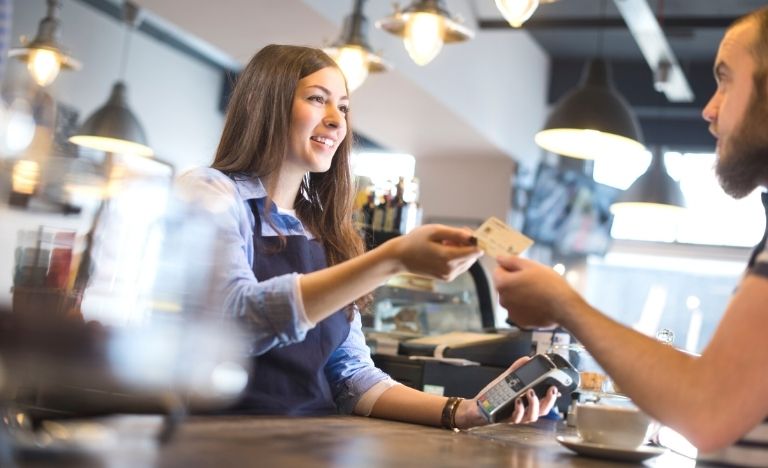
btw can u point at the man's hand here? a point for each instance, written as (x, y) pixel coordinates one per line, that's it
(533, 294)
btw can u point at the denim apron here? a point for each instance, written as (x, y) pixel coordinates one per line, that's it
(290, 379)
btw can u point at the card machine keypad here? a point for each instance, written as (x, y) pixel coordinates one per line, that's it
(499, 394)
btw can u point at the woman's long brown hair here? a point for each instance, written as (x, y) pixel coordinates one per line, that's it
(255, 138)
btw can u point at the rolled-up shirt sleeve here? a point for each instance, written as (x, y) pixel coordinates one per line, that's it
(350, 369)
(271, 310)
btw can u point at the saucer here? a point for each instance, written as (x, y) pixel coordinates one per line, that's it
(581, 447)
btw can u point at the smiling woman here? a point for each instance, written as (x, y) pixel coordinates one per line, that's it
(296, 274)
(318, 122)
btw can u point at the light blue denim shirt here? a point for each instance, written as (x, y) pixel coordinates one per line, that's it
(273, 309)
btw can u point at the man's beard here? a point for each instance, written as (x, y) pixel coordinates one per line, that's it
(743, 164)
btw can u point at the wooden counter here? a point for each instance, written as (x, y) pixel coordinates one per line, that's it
(340, 441)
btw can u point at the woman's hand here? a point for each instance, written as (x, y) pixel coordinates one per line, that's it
(434, 250)
(469, 415)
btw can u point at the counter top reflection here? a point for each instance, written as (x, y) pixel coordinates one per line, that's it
(340, 441)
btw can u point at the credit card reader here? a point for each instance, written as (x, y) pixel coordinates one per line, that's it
(539, 373)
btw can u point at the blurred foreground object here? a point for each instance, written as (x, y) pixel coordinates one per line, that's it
(111, 308)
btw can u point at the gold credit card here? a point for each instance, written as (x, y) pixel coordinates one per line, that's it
(495, 238)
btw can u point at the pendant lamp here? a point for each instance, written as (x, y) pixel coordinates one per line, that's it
(113, 127)
(593, 120)
(425, 26)
(654, 191)
(44, 56)
(352, 52)
(516, 12)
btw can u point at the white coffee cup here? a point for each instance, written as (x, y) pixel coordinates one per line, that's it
(616, 426)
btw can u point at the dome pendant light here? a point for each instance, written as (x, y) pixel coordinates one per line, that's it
(592, 121)
(113, 127)
(44, 56)
(352, 52)
(425, 26)
(517, 12)
(654, 191)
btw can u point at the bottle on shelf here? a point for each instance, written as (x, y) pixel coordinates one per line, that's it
(390, 212)
(379, 215)
(368, 208)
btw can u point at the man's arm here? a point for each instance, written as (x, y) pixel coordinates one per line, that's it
(712, 400)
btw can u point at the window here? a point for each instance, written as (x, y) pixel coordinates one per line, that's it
(675, 292)
(383, 167)
(712, 217)
(683, 280)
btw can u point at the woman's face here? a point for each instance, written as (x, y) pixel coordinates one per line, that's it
(318, 121)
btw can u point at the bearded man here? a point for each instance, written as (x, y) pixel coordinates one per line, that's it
(718, 400)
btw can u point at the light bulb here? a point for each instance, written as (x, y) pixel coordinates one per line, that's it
(17, 127)
(44, 65)
(516, 12)
(26, 175)
(353, 61)
(424, 36)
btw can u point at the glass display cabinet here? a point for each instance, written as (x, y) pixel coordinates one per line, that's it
(440, 336)
(416, 306)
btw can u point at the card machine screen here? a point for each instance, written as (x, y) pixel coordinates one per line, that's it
(526, 374)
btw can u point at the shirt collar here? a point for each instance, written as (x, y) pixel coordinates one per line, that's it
(249, 187)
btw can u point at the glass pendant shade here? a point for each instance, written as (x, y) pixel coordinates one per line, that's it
(425, 26)
(43, 55)
(114, 128)
(424, 37)
(517, 12)
(654, 191)
(353, 62)
(592, 121)
(352, 53)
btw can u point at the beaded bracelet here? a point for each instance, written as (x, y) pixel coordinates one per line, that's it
(448, 416)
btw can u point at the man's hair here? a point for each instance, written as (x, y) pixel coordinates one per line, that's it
(759, 47)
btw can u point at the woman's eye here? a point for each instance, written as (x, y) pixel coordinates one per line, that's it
(317, 98)
(344, 109)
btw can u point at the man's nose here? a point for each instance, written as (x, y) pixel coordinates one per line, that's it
(709, 113)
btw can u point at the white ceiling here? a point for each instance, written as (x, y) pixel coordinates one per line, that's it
(484, 98)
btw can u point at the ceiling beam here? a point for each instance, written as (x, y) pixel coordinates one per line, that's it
(152, 27)
(680, 22)
(668, 76)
